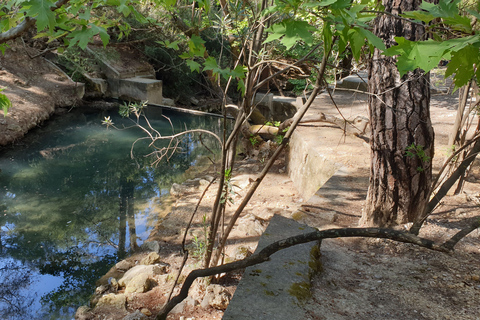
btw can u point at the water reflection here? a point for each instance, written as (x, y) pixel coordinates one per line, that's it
(74, 202)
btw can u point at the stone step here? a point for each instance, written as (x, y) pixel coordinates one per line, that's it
(140, 89)
(277, 289)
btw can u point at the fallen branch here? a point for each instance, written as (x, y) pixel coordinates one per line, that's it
(264, 254)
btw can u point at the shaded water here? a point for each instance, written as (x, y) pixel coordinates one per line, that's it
(73, 202)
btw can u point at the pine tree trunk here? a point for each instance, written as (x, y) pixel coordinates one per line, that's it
(400, 118)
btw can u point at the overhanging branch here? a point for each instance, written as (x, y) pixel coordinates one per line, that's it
(23, 26)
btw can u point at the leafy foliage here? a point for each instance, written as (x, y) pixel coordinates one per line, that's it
(5, 103)
(462, 46)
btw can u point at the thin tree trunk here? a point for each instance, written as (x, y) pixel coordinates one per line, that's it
(400, 118)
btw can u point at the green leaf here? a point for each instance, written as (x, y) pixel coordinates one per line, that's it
(5, 103)
(372, 39)
(357, 41)
(241, 86)
(327, 36)
(322, 3)
(463, 65)
(81, 37)
(290, 31)
(239, 72)
(194, 66)
(196, 45)
(419, 16)
(3, 47)
(41, 10)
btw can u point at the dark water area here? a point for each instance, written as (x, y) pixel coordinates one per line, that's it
(73, 203)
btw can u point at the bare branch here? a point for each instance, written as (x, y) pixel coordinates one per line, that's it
(461, 234)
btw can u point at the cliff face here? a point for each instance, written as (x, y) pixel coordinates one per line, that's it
(36, 89)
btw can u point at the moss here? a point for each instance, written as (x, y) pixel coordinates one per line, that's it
(269, 293)
(315, 264)
(298, 215)
(301, 291)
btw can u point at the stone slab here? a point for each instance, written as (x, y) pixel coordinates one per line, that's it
(278, 288)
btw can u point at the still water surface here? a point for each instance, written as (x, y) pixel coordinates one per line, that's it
(73, 202)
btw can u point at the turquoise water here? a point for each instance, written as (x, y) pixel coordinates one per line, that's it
(73, 202)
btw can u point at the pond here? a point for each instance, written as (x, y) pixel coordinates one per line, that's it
(73, 203)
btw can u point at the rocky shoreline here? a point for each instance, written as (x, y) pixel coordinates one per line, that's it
(137, 287)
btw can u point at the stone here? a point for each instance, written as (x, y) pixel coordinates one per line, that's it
(112, 300)
(137, 315)
(241, 252)
(151, 258)
(176, 190)
(139, 284)
(216, 297)
(124, 265)
(242, 181)
(278, 288)
(178, 308)
(153, 246)
(146, 312)
(83, 313)
(251, 225)
(150, 271)
(101, 289)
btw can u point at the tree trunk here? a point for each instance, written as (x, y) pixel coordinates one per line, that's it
(400, 118)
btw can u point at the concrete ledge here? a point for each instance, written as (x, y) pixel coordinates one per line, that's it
(278, 288)
(309, 168)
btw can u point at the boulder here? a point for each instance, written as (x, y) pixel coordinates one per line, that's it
(124, 265)
(83, 313)
(137, 315)
(112, 300)
(139, 284)
(150, 259)
(153, 246)
(150, 271)
(251, 225)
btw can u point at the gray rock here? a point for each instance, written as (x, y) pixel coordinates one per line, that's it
(251, 225)
(178, 308)
(241, 252)
(137, 315)
(150, 271)
(151, 258)
(83, 313)
(124, 265)
(112, 300)
(177, 190)
(282, 284)
(153, 246)
(217, 297)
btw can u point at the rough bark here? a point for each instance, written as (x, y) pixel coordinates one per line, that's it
(399, 117)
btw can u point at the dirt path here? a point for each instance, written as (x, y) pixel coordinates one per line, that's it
(35, 87)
